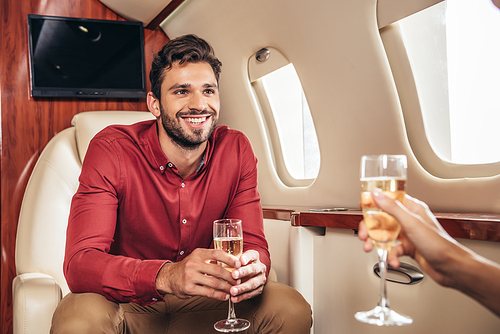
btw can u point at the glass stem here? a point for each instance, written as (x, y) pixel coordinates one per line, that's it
(382, 256)
(231, 315)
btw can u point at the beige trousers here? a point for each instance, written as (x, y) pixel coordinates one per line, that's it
(279, 309)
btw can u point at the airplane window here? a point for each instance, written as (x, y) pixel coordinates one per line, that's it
(454, 54)
(288, 121)
(293, 122)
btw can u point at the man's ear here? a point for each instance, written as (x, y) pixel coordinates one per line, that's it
(153, 104)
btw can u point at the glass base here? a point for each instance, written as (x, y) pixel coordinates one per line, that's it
(383, 316)
(231, 326)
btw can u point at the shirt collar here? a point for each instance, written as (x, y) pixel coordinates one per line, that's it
(158, 158)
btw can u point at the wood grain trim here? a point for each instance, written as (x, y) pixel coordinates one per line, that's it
(474, 226)
(27, 124)
(155, 23)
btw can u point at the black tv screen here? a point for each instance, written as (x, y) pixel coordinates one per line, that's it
(88, 58)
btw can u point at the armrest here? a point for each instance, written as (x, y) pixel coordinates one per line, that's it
(35, 297)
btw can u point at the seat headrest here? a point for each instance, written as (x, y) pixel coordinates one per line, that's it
(88, 124)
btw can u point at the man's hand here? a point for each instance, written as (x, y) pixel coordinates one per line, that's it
(198, 275)
(251, 277)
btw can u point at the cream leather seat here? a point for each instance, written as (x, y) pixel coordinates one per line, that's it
(41, 235)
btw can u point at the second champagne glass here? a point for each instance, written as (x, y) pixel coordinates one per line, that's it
(228, 236)
(388, 173)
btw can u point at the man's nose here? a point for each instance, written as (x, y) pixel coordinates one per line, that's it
(197, 102)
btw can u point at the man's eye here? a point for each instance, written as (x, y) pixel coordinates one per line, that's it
(180, 92)
(209, 91)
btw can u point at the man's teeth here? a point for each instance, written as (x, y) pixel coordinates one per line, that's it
(196, 121)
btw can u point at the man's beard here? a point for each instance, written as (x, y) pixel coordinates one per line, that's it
(179, 136)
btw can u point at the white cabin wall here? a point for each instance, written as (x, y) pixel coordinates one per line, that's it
(336, 49)
(345, 284)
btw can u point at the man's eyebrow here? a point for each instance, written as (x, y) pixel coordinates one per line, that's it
(187, 86)
(210, 85)
(180, 86)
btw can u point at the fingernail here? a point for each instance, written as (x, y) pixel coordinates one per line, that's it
(236, 274)
(377, 193)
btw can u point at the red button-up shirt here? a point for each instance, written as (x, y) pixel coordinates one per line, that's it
(133, 211)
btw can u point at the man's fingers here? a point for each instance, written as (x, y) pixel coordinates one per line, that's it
(221, 256)
(250, 270)
(212, 287)
(251, 294)
(199, 274)
(251, 265)
(249, 256)
(201, 290)
(217, 271)
(249, 289)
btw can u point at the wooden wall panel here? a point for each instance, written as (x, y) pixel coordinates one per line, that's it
(27, 124)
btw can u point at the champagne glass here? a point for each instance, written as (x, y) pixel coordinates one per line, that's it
(228, 236)
(388, 173)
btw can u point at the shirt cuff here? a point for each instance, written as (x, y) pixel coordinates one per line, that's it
(145, 282)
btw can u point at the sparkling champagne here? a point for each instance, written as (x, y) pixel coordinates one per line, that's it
(230, 245)
(228, 236)
(387, 173)
(383, 228)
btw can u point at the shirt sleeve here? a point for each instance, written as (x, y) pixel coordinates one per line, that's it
(88, 266)
(246, 204)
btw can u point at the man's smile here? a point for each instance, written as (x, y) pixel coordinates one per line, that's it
(196, 121)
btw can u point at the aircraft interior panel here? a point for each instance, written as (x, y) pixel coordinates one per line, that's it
(327, 266)
(342, 63)
(144, 11)
(344, 283)
(278, 237)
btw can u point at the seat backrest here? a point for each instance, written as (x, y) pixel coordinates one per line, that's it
(41, 232)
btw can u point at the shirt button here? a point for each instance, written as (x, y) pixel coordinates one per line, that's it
(161, 167)
(182, 253)
(170, 164)
(184, 221)
(183, 185)
(154, 299)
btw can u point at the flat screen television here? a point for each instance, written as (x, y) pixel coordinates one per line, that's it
(86, 58)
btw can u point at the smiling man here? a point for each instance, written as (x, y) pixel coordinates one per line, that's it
(188, 114)
(139, 250)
